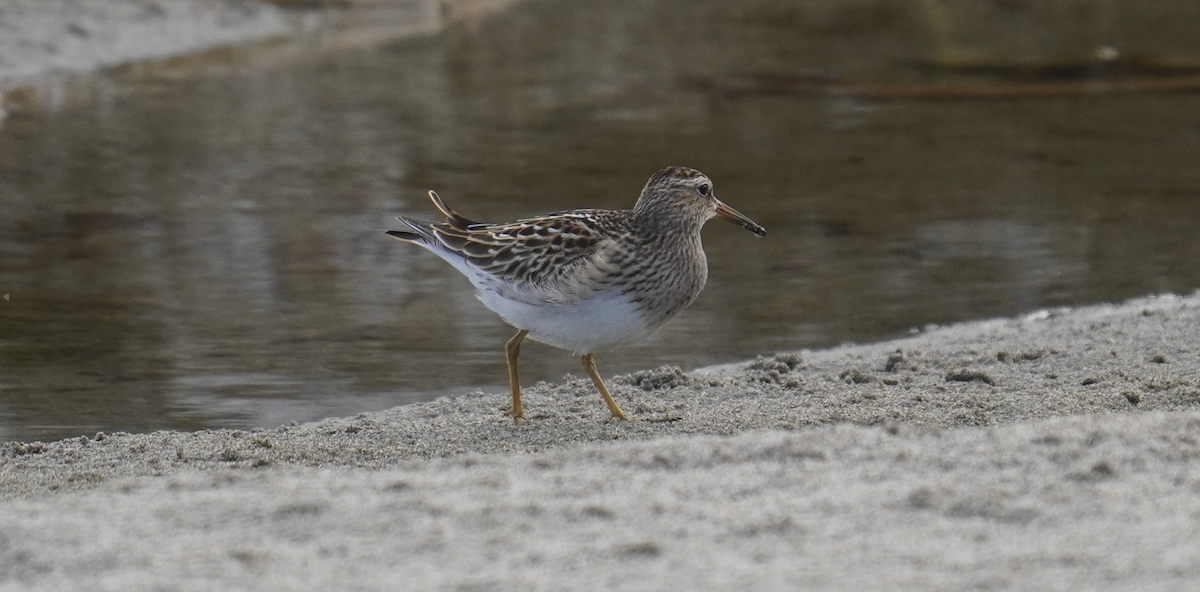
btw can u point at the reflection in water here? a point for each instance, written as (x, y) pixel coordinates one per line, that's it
(187, 252)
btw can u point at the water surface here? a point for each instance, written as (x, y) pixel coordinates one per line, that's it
(200, 249)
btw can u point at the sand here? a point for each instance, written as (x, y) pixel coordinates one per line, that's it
(43, 42)
(43, 37)
(1060, 450)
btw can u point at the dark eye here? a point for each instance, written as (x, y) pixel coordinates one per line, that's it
(703, 189)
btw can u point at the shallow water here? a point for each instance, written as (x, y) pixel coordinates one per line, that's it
(199, 248)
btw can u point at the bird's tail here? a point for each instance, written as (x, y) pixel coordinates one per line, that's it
(419, 231)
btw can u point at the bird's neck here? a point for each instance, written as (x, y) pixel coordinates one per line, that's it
(651, 226)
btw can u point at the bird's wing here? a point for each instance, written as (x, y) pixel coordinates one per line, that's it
(557, 258)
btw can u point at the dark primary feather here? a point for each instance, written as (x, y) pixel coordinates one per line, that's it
(404, 235)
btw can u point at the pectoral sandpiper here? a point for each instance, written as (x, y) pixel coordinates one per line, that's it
(585, 280)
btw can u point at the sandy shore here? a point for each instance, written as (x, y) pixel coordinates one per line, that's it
(1055, 451)
(44, 40)
(61, 36)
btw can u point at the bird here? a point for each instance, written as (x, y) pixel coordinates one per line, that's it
(585, 280)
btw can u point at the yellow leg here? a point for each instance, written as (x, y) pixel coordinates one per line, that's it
(589, 366)
(512, 350)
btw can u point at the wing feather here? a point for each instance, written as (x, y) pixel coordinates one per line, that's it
(560, 257)
(531, 253)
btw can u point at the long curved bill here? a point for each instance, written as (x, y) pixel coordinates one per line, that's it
(725, 212)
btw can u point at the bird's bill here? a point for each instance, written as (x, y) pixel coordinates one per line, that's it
(727, 213)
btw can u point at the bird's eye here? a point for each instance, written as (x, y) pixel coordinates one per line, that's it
(703, 189)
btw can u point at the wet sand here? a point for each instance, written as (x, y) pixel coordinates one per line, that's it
(1060, 450)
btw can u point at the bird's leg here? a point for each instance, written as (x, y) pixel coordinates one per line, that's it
(512, 350)
(589, 366)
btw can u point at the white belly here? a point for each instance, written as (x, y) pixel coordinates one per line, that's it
(591, 325)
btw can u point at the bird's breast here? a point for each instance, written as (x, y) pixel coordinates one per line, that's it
(664, 281)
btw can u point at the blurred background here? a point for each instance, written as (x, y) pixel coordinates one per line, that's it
(194, 242)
